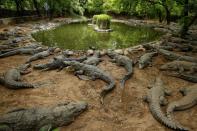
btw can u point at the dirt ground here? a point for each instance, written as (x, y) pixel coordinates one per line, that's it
(132, 114)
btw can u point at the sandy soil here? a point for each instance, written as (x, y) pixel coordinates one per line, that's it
(132, 114)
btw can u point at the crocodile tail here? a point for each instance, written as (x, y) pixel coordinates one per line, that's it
(124, 79)
(18, 85)
(11, 53)
(158, 115)
(106, 90)
(177, 106)
(170, 110)
(32, 58)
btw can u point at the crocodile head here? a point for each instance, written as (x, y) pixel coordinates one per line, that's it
(111, 54)
(168, 66)
(72, 65)
(72, 109)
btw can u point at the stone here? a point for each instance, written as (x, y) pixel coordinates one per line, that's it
(68, 52)
(90, 52)
(57, 50)
(103, 52)
(126, 52)
(119, 51)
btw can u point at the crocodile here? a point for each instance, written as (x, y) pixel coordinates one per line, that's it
(93, 60)
(181, 47)
(11, 78)
(188, 101)
(5, 47)
(180, 66)
(124, 61)
(42, 118)
(33, 45)
(57, 63)
(153, 47)
(185, 76)
(156, 97)
(41, 55)
(146, 59)
(178, 40)
(29, 51)
(94, 73)
(173, 56)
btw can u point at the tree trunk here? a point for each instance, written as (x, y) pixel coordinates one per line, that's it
(36, 7)
(21, 7)
(168, 16)
(159, 15)
(17, 7)
(186, 8)
(187, 23)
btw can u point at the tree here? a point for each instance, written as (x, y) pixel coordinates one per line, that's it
(189, 15)
(19, 7)
(167, 5)
(36, 7)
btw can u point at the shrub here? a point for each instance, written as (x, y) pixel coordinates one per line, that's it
(102, 21)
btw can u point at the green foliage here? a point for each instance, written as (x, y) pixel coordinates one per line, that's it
(95, 6)
(103, 17)
(138, 8)
(103, 21)
(94, 19)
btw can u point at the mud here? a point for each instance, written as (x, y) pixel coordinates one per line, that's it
(122, 110)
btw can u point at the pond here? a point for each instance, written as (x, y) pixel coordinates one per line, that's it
(82, 37)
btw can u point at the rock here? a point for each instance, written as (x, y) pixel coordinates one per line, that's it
(102, 30)
(119, 51)
(103, 52)
(136, 49)
(68, 53)
(57, 50)
(90, 52)
(126, 52)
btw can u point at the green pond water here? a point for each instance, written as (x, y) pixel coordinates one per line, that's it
(82, 36)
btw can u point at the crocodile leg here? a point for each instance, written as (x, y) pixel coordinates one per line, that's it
(168, 92)
(112, 60)
(105, 91)
(163, 101)
(181, 69)
(60, 68)
(192, 70)
(80, 72)
(145, 99)
(80, 75)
